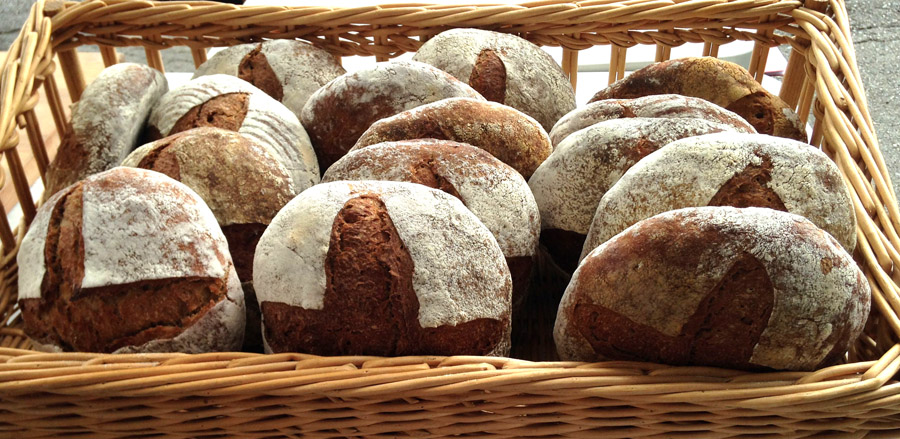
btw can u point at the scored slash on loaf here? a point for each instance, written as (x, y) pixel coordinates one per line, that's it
(745, 288)
(381, 268)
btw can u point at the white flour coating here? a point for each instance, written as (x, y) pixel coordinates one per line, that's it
(141, 225)
(807, 297)
(689, 172)
(451, 249)
(30, 259)
(267, 121)
(535, 83)
(221, 329)
(794, 119)
(492, 190)
(300, 67)
(653, 106)
(112, 110)
(400, 85)
(570, 183)
(227, 195)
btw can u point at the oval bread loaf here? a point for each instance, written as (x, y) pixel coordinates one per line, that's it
(503, 68)
(493, 191)
(728, 169)
(570, 183)
(748, 288)
(230, 103)
(242, 184)
(339, 112)
(654, 106)
(289, 71)
(723, 83)
(509, 135)
(129, 260)
(381, 268)
(106, 123)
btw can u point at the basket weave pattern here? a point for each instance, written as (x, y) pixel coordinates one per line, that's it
(226, 394)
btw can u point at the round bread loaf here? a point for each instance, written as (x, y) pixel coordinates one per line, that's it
(653, 106)
(493, 191)
(503, 68)
(723, 83)
(106, 123)
(338, 113)
(242, 184)
(289, 71)
(745, 288)
(509, 135)
(381, 268)
(570, 183)
(233, 104)
(129, 260)
(729, 169)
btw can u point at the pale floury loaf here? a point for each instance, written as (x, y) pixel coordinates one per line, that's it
(654, 106)
(748, 288)
(729, 169)
(381, 268)
(570, 183)
(505, 69)
(144, 258)
(289, 71)
(492, 190)
(339, 112)
(106, 123)
(231, 103)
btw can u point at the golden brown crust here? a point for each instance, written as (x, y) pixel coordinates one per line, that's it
(226, 111)
(489, 76)
(255, 69)
(721, 82)
(509, 135)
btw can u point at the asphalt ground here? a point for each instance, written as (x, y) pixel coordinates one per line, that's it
(875, 28)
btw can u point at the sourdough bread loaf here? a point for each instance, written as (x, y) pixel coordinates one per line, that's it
(242, 184)
(653, 106)
(289, 71)
(129, 260)
(729, 169)
(723, 83)
(381, 268)
(570, 183)
(746, 288)
(230, 103)
(509, 135)
(505, 69)
(106, 123)
(492, 190)
(339, 112)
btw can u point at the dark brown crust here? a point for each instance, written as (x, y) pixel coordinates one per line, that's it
(704, 78)
(722, 332)
(749, 188)
(226, 111)
(501, 131)
(424, 173)
(564, 246)
(253, 328)
(68, 167)
(520, 270)
(370, 307)
(106, 318)
(162, 159)
(489, 76)
(255, 69)
(242, 240)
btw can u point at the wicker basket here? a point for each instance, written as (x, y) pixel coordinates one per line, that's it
(239, 394)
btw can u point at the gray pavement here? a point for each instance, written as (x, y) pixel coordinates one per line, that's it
(875, 26)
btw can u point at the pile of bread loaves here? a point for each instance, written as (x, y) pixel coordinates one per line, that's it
(281, 204)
